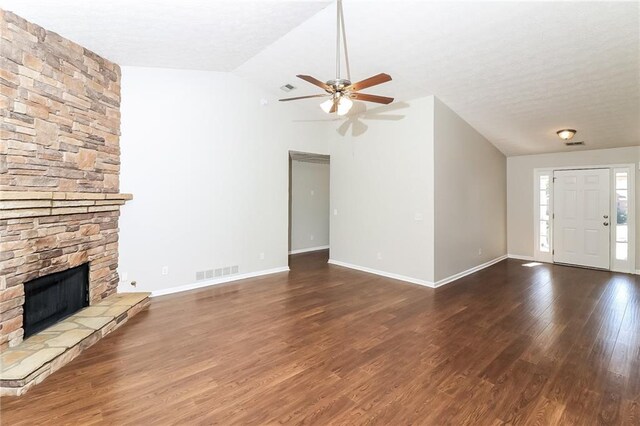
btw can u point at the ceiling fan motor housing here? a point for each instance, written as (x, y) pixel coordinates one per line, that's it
(338, 84)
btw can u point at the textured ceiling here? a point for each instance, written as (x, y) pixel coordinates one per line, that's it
(193, 34)
(516, 71)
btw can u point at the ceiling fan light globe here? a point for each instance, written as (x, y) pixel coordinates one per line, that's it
(344, 105)
(566, 134)
(327, 105)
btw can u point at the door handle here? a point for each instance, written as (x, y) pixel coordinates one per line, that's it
(605, 223)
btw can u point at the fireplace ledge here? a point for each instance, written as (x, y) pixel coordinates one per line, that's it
(33, 360)
(23, 204)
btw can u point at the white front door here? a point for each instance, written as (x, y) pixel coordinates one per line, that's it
(581, 217)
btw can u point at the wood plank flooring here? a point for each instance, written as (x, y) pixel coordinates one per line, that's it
(323, 345)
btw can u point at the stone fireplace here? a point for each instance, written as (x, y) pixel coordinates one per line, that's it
(59, 168)
(68, 233)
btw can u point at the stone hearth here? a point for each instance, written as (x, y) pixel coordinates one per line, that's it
(43, 353)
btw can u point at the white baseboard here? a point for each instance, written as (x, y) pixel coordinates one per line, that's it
(207, 283)
(412, 280)
(469, 271)
(307, 250)
(382, 273)
(637, 271)
(518, 257)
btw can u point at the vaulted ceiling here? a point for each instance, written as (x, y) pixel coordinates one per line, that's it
(516, 71)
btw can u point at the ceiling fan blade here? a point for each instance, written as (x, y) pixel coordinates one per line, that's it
(371, 98)
(371, 81)
(304, 97)
(315, 81)
(334, 107)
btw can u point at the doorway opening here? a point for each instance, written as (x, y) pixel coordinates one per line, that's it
(309, 176)
(586, 217)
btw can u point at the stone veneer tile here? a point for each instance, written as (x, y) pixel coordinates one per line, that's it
(116, 310)
(32, 346)
(10, 358)
(123, 299)
(39, 338)
(94, 323)
(68, 338)
(92, 311)
(62, 326)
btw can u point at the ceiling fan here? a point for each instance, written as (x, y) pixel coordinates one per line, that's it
(339, 90)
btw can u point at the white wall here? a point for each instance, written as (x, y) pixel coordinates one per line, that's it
(415, 196)
(380, 180)
(309, 205)
(208, 167)
(418, 197)
(470, 196)
(520, 189)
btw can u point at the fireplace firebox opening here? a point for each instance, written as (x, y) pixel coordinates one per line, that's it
(52, 298)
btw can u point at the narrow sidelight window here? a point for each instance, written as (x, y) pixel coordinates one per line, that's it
(545, 192)
(622, 215)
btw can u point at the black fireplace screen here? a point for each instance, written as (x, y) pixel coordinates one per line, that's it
(54, 297)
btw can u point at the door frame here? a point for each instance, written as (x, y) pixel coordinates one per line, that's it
(616, 265)
(294, 155)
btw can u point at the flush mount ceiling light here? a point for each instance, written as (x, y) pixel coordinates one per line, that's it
(566, 134)
(339, 90)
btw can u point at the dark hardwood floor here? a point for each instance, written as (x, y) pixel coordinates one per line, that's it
(510, 344)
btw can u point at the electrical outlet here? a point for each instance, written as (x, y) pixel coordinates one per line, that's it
(312, 192)
(124, 276)
(261, 256)
(379, 256)
(311, 237)
(479, 252)
(165, 270)
(335, 212)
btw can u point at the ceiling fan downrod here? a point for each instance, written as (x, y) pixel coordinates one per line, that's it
(341, 36)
